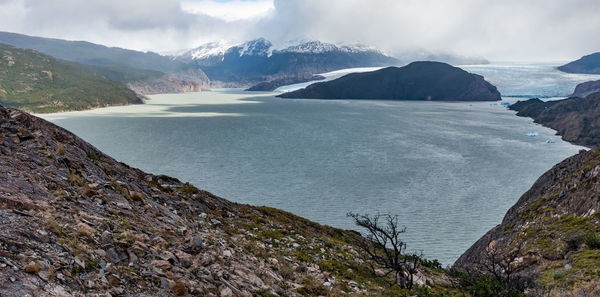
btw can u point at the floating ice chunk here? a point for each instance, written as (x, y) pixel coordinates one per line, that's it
(532, 134)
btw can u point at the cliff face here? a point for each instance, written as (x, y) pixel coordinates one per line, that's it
(170, 83)
(576, 119)
(75, 222)
(587, 88)
(556, 225)
(417, 81)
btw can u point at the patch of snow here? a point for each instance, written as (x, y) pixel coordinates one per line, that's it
(210, 50)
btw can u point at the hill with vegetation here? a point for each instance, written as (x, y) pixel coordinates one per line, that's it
(147, 71)
(433, 81)
(549, 240)
(40, 83)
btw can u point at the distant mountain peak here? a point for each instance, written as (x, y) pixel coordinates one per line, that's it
(211, 49)
(256, 47)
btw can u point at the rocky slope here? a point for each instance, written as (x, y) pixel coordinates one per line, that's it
(75, 222)
(589, 64)
(576, 119)
(189, 81)
(554, 227)
(582, 90)
(416, 81)
(257, 60)
(40, 83)
(271, 85)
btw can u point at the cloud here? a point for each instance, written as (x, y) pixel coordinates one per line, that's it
(231, 10)
(508, 29)
(498, 30)
(160, 25)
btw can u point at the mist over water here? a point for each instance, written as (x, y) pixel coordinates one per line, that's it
(449, 170)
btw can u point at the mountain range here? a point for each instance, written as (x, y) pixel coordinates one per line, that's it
(257, 60)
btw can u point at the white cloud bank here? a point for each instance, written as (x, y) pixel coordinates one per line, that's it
(498, 30)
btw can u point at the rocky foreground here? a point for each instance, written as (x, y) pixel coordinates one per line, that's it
(552, 231)
(75, 222)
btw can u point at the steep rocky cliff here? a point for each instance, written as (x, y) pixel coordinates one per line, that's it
(75, 222)
(171, 83)
(554, 226)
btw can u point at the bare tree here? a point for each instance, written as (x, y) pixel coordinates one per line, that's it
(384, 248)
(503, 264)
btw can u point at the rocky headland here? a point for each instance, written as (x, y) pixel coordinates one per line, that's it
(429, 81)
(575, 119)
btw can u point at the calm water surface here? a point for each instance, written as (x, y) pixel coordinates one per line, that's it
(449, 170)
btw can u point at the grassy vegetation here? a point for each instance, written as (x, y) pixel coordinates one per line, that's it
(39, 83)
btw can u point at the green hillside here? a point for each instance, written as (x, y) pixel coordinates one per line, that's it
(39, 83)
(114, 63)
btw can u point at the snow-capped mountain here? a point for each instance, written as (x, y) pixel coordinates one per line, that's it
(318, 47)
(258, 60)
(206, 51)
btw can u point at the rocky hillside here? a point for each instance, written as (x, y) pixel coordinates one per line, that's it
(582, 90)
(257, 60)
(189, 81)
(576, 119)
(554, 228)
(417, 81)
(589, 64)
(75, 222)
(152, 70)
(40, 83)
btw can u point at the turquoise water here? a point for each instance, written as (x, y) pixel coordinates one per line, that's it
(449, 170)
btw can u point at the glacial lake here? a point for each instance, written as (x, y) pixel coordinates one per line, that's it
(449, 170)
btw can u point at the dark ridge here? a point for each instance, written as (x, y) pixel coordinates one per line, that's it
(433, 81)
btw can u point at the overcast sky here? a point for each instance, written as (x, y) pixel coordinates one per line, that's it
(498, 30)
